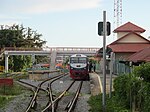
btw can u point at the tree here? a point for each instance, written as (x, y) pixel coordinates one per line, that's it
(18, 36)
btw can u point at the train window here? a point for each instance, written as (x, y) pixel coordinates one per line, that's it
(74, 60)
(82, 60)
(78, 60)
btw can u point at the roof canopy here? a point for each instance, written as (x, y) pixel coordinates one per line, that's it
(141, 56)
(128, 47)
(129, 27)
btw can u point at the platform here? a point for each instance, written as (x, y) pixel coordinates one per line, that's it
(96, 81)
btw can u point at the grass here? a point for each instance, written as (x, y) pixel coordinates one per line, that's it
(7, 93)
(4, 100)
(95, 103)
(2, 75)
(112, 104)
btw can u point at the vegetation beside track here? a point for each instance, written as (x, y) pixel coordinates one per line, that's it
(7, 93)
(17, 37)
(131, 93)
(15, 75)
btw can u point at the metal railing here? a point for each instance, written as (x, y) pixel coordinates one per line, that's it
(21, 49)
(70, 49)
(50, 49)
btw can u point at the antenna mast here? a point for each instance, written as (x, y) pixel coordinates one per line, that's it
(117, 13)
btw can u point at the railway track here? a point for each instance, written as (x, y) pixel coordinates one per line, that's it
(33, 101)
(53, 102)
(72, 103)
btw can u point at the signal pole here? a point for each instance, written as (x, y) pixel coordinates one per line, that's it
(104, 61)
(104, 30)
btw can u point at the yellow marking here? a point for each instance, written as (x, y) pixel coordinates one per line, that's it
(100, 83)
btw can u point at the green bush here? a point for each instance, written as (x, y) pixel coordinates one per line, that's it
(145, 97)
(131, 93)
(143, 71)
(96, 103)
(121, 87)
(134, 89)
(112, 104)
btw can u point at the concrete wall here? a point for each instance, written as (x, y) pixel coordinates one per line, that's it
(42, 74)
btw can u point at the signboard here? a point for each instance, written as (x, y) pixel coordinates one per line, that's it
(4, 81)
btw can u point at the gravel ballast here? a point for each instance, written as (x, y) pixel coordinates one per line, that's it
(20, 103)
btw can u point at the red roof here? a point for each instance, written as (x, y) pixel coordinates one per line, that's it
(129, 27)
(128, 47)
(132, 47)
(141, 56)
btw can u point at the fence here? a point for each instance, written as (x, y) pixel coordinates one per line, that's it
(118, 68)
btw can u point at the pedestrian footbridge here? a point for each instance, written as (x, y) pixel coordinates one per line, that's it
(53, 52)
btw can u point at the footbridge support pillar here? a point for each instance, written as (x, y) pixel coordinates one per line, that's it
(53, 60)
(6, 62)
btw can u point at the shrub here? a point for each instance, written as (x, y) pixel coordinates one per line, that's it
(121, 89)
(143, 72)
(130, 93)
(145, 97)
(112, 105)
(96, 103)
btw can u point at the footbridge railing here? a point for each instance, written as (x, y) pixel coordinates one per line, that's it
(70, 49)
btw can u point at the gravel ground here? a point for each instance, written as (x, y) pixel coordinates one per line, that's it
(82, 105)
(19, 104)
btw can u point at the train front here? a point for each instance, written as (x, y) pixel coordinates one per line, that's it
(79, 66)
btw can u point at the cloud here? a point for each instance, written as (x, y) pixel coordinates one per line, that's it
(10, 23)
(44, 6)
(11, 17)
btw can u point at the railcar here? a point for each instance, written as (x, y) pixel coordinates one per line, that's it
(78, 66)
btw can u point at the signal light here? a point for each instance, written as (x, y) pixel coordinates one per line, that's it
(100, 28)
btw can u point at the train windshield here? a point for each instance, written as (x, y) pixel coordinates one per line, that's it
(78, 60)
(82, 60)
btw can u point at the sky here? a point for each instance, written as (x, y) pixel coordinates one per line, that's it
(73, 23)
